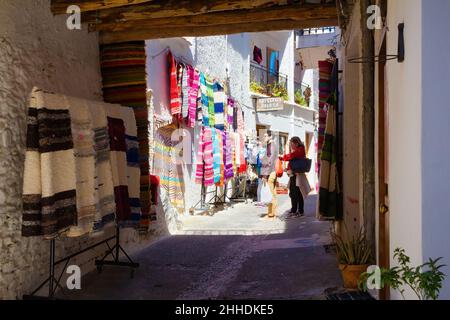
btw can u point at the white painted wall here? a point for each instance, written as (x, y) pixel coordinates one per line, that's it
(405, 97)
(435, 123)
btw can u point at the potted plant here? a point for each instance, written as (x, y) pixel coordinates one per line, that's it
(354, 254)
(425, 281)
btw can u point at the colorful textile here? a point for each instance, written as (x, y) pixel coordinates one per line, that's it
(175, 103)
(216, 155)
(330, 198)
(211, 110)
(205, 159)
(83, 146)
(193, 84)
(165, 165)
(325, 70)
(257, 55)
(125, 83)
(133, 169)
(49, 182)
(204, 100)
(219, 106)
(230, 113)
(117, 142)
(185, 93)
(220, 135)
(228, 156)
(105, 213)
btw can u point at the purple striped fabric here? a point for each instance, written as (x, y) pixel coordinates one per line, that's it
(205, 171)
(193, 83)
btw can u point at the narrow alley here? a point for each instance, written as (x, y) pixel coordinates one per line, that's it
(282, 260)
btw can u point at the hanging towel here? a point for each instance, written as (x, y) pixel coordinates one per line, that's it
(273, 62)
(219, 104)
(105, 213)
(193, 78)
(175, 105)
(329, 194)
(211, 110)
(200, 165)
(208, 156)
(49, 182)
(222, 157)
(84, 151)
(199, 112)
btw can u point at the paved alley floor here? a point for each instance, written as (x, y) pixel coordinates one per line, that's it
(232, 255)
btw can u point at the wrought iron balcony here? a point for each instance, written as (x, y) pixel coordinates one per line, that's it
(267, 82)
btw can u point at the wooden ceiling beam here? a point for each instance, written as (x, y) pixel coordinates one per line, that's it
(257, 16)
(174, 8)
(60, 6)
(169, 32)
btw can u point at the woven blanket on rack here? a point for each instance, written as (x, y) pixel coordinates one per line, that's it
(106, 207)
(211, 110)
(204, 100)
(193, 84)
(84, 151)
(205, 159)
(165, 165)
(175, 103)
(216, 154)
(49, 182)
(230, 113)
(185, 93)
(219, 106)
(127, 156)
(127, 61)
(228, 156)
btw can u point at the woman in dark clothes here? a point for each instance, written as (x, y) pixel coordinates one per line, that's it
(297, 151)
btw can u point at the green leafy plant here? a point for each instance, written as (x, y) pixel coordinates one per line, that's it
(299, 99)
(256, 87)
(355, 250)
(424, 280)
(278, 90)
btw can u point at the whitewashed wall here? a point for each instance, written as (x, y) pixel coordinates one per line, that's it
(435, 123)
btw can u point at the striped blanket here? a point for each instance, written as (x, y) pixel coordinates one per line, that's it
(165, 165)
(124, 83)
(325, 69)
(329, 192)
(105, 213)
(193, 83)
(219, 106)
(205, 158)
(49, 183)
(84, 151)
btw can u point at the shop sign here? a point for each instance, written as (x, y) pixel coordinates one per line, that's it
(269, 104)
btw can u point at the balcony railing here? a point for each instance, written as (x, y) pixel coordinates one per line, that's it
(264, 81)
(316, 31)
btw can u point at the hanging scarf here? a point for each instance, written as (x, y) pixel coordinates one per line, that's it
(194, 78)
(230, 112)
(216, 155)
(211, 110)
(219, 105)
(175, 105)
(228, 156)
(220, 134)
(184, 92)
(204, 100)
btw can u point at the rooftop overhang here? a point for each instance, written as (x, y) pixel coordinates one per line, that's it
(129, 20)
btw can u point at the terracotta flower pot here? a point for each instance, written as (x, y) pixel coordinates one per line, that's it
(351, 273)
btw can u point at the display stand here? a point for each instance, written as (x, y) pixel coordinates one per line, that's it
(240, 195)
(115, 252)
(52, 281)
